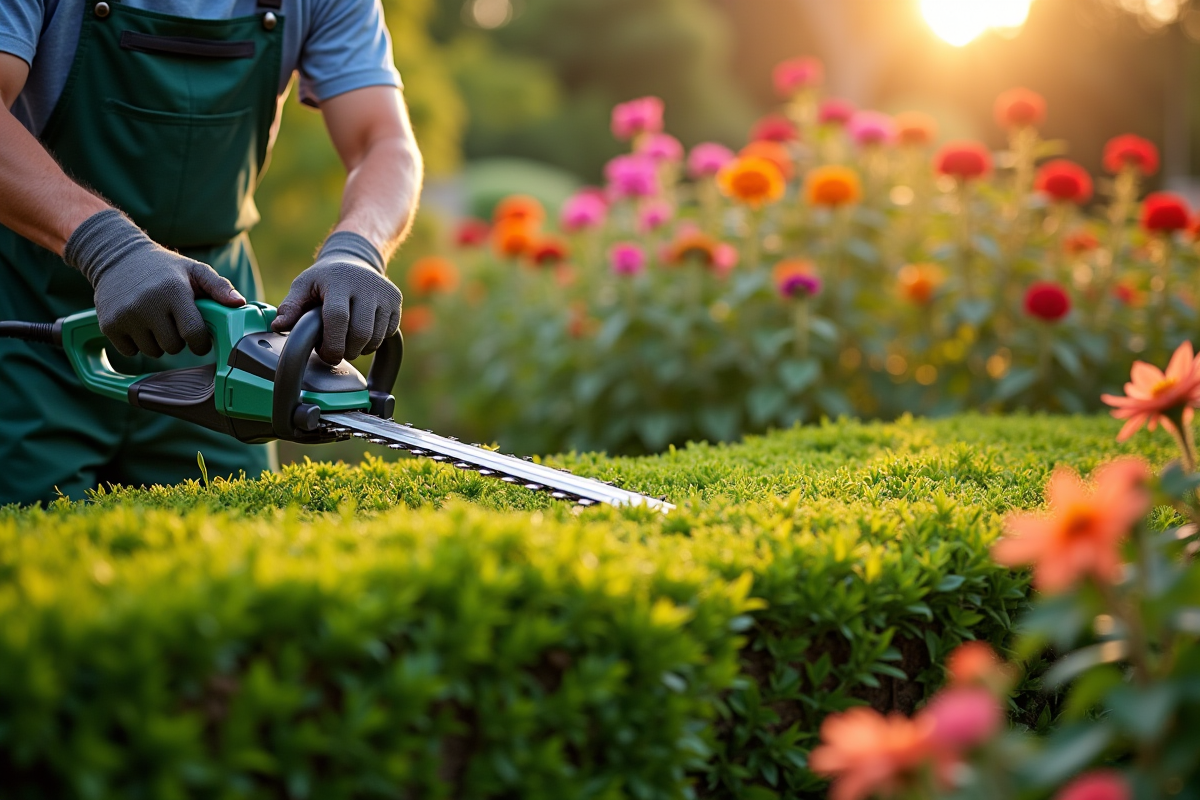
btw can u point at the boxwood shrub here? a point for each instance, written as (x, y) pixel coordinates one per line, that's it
(401, 629)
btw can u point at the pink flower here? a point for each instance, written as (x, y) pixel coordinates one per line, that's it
(626, 258)
(643, 115)
(654, 214)
(795, 74)
(963, 717)
(1100, 784)
(631, 176)
(835, 112)
(662, 148)
(707, 159)
(872, 128)
(725, 258)
(583, 211)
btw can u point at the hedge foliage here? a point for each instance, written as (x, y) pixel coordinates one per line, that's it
(406, 630)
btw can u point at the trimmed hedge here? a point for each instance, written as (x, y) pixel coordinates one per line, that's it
(198, 641)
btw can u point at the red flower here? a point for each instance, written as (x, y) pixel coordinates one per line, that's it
(1064, 181)
(1020, 108)
(774, 128)
(548, 252)
(1047, 301)
(963, 160)
(1100, 784)
(1165, 212)
(472, 232)
(1131, 151)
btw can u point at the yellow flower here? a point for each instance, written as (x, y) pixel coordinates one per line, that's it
(833, 185)
(751, 180)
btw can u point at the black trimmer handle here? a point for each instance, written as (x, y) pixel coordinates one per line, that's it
(291, 418)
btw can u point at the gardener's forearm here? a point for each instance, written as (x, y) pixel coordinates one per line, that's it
(37, 199)
(371, 132)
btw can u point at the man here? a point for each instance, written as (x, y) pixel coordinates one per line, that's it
(132, 135)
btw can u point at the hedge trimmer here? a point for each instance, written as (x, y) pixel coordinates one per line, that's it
(266, 385)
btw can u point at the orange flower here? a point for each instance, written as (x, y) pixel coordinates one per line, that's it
(513, 238)
(549, 251)
(1082, 534)
(1080, 242)
(774, 152)
(415, 319)
(519, 208)
(1127, 292)
(833, 186)
(1153, 397)
(692, 245)
(919, 282)
(915, 129)
(433, 274)
(580, 324)
(751, 180)
(868, 754)
(976, 664)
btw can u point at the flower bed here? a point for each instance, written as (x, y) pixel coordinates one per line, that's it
(842, 262)
(200, 641)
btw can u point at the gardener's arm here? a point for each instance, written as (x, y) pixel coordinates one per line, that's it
(371, 132)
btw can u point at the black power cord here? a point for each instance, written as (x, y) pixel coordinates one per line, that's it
(40, 332)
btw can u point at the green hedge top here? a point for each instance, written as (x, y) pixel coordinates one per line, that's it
(198, 641)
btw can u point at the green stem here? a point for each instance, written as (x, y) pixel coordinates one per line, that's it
(800, 325)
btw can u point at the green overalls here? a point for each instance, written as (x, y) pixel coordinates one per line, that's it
(169, 119)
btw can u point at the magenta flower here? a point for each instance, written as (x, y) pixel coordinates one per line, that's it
(583, 211)
(796, 74)
(643, 115)
(835, 112)
(707, 159)
(662, 148)
(869, 128)
(800, 284)
(654, 214)
(626, 258)
(631, 176)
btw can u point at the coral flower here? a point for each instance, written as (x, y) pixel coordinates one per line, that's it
(662, 148)
(1020, 108)
(725, 258)
(1081, 535)
(692, 245)
(1152, 396)
(774, 152)
(919, 283)
(1164, 212)
(1077, 243)
(796, 278)
(1047, 301)
(583, 211)
(433, 274)
(1064, 181)
(963, 717)
(774, 128)
(707, 159)
(832, 186)
(519, 208)
(752, 180)
(513, 238)
(472, 232)
(915, 129)
(626, 258)
(872, 128)
(1100, 784)
(868, 754)
(1128, 150)
(549, 251)
(976, 664)
(654, 214)
(632, 176)
(797, 74)
(415, 319)
(1128, 294)
(963, 160)
(643, 115)
(835, 112)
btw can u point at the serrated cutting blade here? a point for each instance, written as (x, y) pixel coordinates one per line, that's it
(537, 477)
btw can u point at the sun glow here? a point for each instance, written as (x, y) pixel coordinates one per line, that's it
(959, 22)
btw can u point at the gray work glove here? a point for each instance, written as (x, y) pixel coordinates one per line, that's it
(360, 307)
(145, 293)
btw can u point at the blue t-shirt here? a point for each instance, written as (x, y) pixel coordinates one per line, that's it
(335, 45)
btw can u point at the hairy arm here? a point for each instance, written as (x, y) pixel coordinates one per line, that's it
(372, 134)
(37, 199)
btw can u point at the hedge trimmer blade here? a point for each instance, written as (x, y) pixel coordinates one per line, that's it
(561, 485)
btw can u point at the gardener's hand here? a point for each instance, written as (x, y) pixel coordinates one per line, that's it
(145, 294)
(360, 307)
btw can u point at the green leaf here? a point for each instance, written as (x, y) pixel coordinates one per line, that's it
(765, 402)
(1067, 357)
(949, 583)
(1015, 382)
(798, 375)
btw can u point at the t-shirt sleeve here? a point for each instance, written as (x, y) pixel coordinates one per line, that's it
(21, 27)
(347, 48)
